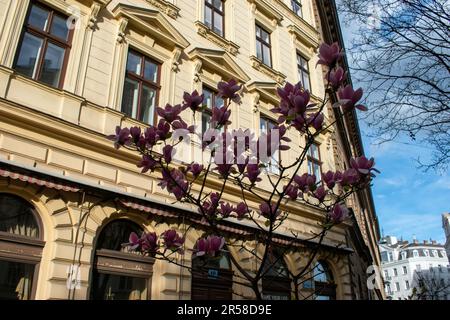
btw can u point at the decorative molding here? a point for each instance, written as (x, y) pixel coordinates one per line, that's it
(219, 62)
(228, 45)
(95, 9)
(267, 9)
(309, 37)
(122, 27)
(197, 69)
(152, 22)
(279, 77)
(165, 6)
(266, 91)
(176, 59)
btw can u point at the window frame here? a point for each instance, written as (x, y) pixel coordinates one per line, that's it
(118, 263)
(315, 161)
(215, 10)
(261, 43)
(46, 37)
(325, 288)
(302, 70)
(141, 80)
(213, 104)
(268, 120)
(22, 249)
(297, 2)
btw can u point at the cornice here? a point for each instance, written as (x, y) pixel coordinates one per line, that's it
(267, 9)
(275, 75)
(165, 6)
(228, 45)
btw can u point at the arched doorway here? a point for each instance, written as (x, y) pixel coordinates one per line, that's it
(212, 278)
(21, 244)
(324, 286)
(276, 283)
(120, 274)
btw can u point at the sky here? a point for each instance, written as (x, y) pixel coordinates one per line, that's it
(408, 201)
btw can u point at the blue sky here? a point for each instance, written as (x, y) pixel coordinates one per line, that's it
(408, 200)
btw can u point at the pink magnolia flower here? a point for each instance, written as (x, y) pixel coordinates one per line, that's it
(175, 182)
(269, 212)
(330, 178)
(195, 169)
(172, 240)
(241, 210)
(180, 124)
(193, 101)
(348, 98)
(135, 133)
(337, 77)
(329, 54)
(306, 182)
(253, 173)
(151, 136)
(210, 205)
(211, 246)
(220, 117)
(349, 177)
(134, 241)
(121, 138)
(170, 113)
(316, 120)
(320, 193)
(363, 165)
(163, 130)
(147, 163)
(228, 90)
(291, 191)
(149, 242)
(339, 213)
(226, 209)
(168, 152)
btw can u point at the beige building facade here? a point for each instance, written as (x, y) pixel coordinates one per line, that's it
(65, 86)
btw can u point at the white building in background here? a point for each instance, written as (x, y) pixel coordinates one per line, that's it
(404, 263)
(446, 226)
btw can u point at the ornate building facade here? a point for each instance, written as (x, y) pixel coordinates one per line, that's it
(71, 71)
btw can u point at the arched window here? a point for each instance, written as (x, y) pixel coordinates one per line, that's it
(212, 279)
(20, 248)
(118, 273)
(324, 286)
(276, 283)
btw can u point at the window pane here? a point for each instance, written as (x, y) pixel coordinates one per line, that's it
(151, 71)
(208, 17)
(59, 27)
(263, 125)
(218, 102)
(147, 105)
(16, 280)
(317, 172)
(117, 233)
(53, 63)
(17, 217)
(218, 23)
(267, 60)
(258, 50)
(38, 18)
(258, 31)
(29, 55)
(218, 4)
(305, 81)
(208, 98)
(115, 287)
(130, 98)
(206, 122)
(134, 63)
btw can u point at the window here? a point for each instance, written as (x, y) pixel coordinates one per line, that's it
(20, 248)
(406, 284)
(434, 253)
(44, 47)
(303, 72)
(141, 88)
(386, 274)
(211, 100)
(397, 286)
(395, 272)
(119, 274)
(212, 278)
(405, 270)
(265, 126)
(314, 163)
(276, 284)
(214, 16)
(391, 256)
(426, 252)
(297, 7)
(403, 255)
(263, 47)
(415, 253)
(324, 286)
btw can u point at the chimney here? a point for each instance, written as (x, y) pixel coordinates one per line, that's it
(415, 241)
(425, 241)
(433, 242)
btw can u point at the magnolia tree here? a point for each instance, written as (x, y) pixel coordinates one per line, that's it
(241, 159)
